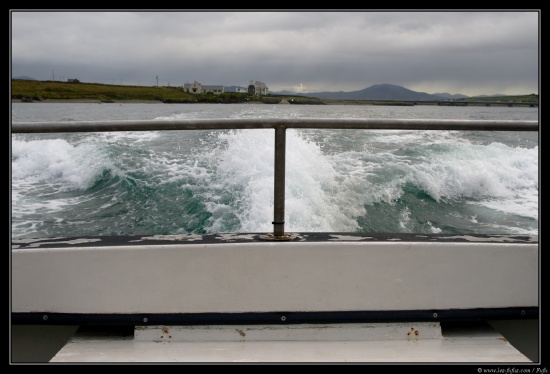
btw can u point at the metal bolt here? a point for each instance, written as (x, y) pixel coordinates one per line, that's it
(45, 317)
(283, 318)
(435, 315)
(145, 320)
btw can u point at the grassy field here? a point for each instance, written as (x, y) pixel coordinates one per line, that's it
(523, 100)
(31, 90)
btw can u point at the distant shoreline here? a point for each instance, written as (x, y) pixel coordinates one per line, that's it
(85, 101)
(91, 101)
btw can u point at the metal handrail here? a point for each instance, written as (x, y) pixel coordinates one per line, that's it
(272, 123)
(280, 125)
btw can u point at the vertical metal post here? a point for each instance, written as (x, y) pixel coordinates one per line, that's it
(279, 192)
(279, 188)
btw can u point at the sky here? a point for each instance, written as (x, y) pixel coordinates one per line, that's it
(457, 52)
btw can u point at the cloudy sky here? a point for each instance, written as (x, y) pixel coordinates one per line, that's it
(466, 52)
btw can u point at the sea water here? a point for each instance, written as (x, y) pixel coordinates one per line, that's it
(215, 181)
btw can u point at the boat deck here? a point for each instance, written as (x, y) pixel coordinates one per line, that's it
(424, 342)
(245, 297)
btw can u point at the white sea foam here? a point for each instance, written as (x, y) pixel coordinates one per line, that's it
(42, 170)
(334, 178)
(329, 192)
(243, 169)
(127, 136)
(56, 161)
(495, 175)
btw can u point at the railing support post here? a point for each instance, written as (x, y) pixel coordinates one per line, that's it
(279, 188)
(279, 185)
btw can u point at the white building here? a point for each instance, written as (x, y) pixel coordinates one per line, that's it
(197, 88)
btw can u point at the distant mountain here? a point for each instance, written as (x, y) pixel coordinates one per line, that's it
(495, 95)
(450, 96)
(287, 93)
(378, 92)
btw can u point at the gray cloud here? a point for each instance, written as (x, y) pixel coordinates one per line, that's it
(457, 52)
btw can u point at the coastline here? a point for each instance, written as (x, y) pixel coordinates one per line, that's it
(89, 101)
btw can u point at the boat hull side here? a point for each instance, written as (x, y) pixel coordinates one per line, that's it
(266, 277)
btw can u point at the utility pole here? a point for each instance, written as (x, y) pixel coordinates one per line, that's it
(53, 76)
(157, 80)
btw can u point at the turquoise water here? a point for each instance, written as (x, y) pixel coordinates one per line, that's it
(145, 183)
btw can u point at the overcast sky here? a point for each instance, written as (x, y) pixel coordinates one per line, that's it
(466, 52)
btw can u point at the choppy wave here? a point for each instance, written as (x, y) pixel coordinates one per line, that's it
(222, 181)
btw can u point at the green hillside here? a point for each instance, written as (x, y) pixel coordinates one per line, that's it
(32, 90)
